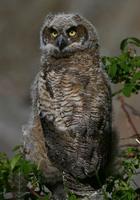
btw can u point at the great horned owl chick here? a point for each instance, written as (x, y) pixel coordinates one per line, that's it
(71, 103)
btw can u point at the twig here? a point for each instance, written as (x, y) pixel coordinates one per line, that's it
(128, 145)
(128, 117)
(137, 141)
(35, 194)
(133, 110)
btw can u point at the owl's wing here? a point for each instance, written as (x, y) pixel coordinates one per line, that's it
(36, 150)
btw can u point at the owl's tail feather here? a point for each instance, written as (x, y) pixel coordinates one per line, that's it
(81, 190)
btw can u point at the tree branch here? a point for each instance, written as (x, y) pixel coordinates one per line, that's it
(121, 99)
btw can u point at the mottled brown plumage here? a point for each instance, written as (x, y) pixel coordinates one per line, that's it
(72, 103)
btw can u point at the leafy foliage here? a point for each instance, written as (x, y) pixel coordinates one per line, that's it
(125, 68)
(19, 177)
(120, 186)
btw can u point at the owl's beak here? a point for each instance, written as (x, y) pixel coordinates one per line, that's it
(61, 42)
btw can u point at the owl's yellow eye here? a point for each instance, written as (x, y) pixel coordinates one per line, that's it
(72, 33)
(54, 34)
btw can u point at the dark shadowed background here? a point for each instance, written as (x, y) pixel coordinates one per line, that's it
(20, 22)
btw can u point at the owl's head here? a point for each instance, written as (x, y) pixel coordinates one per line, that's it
(64, 34)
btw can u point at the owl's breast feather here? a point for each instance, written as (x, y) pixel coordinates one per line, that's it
(67, 104)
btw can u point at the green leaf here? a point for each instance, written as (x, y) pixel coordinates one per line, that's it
(26, 167)
(14, 161)
(125, 42)
(130, 150)
(46, 197)
(136, 76)
(127, 90)
(73, 197)
(112, 70)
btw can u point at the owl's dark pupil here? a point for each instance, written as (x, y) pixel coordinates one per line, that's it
(54, 32)
(72, 32)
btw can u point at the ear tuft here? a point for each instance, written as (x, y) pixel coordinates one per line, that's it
(49, 17)
(77, 17)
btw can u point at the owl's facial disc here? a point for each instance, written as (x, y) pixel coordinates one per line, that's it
(61, 42)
